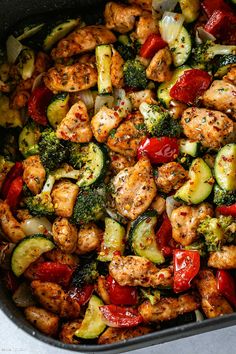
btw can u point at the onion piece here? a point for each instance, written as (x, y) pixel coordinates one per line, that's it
(35, 225)
(164, 5)
(5, 255)
(101, 101)
(37, 81)
(170, 26)
(87, 97)
(14, 48)
(203, 36)
(22, 297)
(171, 204)
(122, 103)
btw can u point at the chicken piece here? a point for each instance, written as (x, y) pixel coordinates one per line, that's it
(177, 109)
(56, 255)
(45, 321)
(19, 99)
(212, 302)
(82, 40)
(231, 75)
(168, 308)
(221, 96)
(185, 221)
(127, 136)
(134, 189)
(64, 235)
(103, 122)
(88, 58)
(64, 195)
(146, 25)
(120, 17)
(119, 162)
(67, 332)
(112, 335)
(223, 259)
(171, 176)
(144, 4)
(117, 74)
(159, 67)
(139, 97)
(209, 127)
(102, 289)
(10, 226)
(53, 298)
(76, 125)
(159, 204)
(34, 174)
(71, 78)
(139, 271)
(23, 215)
(89, 238)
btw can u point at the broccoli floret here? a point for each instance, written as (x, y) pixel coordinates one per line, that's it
(199, 246)
(126, 48)
(52, 150)
(159, 122)
(75, 157)
(85, 274)
(223, 197)
(135, 74)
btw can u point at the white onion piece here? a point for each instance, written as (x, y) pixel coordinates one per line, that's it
(122, 103)
(39, 225)
(14, 48)
(199, 316)
(171, 204)
(101, 101)
(164, 5)
(37, 81)
(204, 35)
(87, 97)
(170, 26)
(22, 297)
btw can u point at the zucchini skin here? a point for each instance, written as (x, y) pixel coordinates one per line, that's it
(58, 108)
(223, 64)
(225, 167)
(103, 58)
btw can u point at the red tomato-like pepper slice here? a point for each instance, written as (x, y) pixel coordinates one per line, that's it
(37, 104)
(15, 171)
(226, 285)
(190, 85)
(82, 295)
(186, 267)
(120, 317)
(14, 193)
(209, 6)
(54, 272)
(222, 25)
(153, 43)
(121, 295)
(227, 210)
(159, 150)
(164, 237)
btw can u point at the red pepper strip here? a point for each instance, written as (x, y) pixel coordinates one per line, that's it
(82, 295)
(120, 317)
(222, 24)
(14, 193)
(190, 85)
(186, 267)
(54, 272)
(121, 295)
(37, 104)
(226, 285)
(153, 43)
(159, 150)
(15, 171)
(164, 237)
(209, 6)
(227, 210)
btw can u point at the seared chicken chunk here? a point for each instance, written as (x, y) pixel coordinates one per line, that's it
(119, 162)
(134, 189)
(34, 174)
(120, 17)
(224, 259)
(71, 78)
(207, 126)
(168, 308)
(212, 302)
(231, 75)
(146, 25)
(171, 176)
(10, 226)
(159, 67)
(65, 235)
(67, 332)
(57, 255)
(102, 289)
(64, 195)
(76, 125)
(89, 238)
(159, 204)
(139, 271)
(83, 40)
(45, 321)
(185, 221)
(139, 97)
(112, 335)
(117, 74)
(144, 4)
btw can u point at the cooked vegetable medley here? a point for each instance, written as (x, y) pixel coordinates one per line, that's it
(118, 169)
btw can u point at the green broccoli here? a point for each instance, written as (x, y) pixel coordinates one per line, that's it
(223, 197)
(159, 122)
(135, 74)
(125, 47)
(75, 157)
(199, 246)
(85, 274)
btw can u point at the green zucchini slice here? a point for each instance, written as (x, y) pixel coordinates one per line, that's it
(28, 140)
(225, 167)
(181, 47)
(58, 108)
(188, 147)
(223, 65)
(103, 59)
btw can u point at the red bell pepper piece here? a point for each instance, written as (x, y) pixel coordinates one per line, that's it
(190, 85)
(227, 210)
(159, 150)
(164, 237)
(37, 104)
(186, 267)
(153, 43)
(15, 171)
(82, 295)
(121, 295)
(14, 193)
(120, 317)
(54, 272)
(226, 285)
(217, 22)
(209, 6)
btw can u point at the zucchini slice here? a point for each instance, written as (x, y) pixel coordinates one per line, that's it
(142, 237)
(29, 31)
(92, 325)
(103, 59)
(58, 108)
(113, 240)
(199, 185)
(190, 9)
(181, 47)
(28, 140)
(223, 64)
(28, 251)
(225, 167)
(188, 147)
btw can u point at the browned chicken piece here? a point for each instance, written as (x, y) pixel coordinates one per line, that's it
(144, 4)
(134, 189)
(170, 176)
(223, 259)
(76, 125)
(23, 215)
(159, 204)
(56, 255)
(3, 173)
(34, 174)
(88, 58)
(10, 226)
(141, 96)
(146, 25)
(102, 289)
(71, 78)
(212, 302)
(19, 99)
(209, 127)
(168, 308)
(221, 96)
(65, 235)
(53, 298)
(83, 40)
(139, 271)
(89, 238)
(159, 67)
(117, 74)
(45, 321)
(119, 162)
(177, 109)
(103, 122)
(67, 332)
(120, 17)
(127, 137)
(112, 335)
(231, 75)
(64, 195)
(185, 221)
